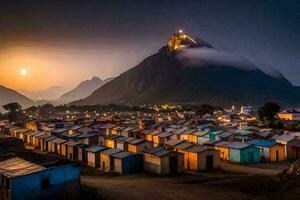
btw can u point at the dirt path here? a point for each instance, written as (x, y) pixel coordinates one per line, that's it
(147, 187)
(269, 169)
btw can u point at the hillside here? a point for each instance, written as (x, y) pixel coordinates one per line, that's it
(10, 96)
(82, 90)
(194, 72)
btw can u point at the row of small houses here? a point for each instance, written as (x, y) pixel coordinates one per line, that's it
(124, 154)
(220, 144)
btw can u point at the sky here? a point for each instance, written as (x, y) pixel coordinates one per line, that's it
(62, 42)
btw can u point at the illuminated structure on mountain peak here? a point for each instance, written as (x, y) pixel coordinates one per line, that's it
(180, 40)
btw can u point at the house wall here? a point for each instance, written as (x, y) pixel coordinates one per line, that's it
(139, 148)
(63, 150)
(148, 137)
(183, 137)
(64, 181)
(70, 152)
(245, 157)
(180, 163)
(281, 153)
(81, 154)
(105, 163)
(224, 152)
(91, 159)
(165, 166)
(264, 153)
(234, 155)
(110, 143)
(152, 163)
(202, 140)
(192, 138)
(202, 159)
(128, 164)
(121, 145)
(156, 139)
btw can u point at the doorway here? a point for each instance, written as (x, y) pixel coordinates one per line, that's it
(277, 156)
(250, 157)
(209, 162)
(173, 165)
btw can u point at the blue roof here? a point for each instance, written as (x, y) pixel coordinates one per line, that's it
(264, 143)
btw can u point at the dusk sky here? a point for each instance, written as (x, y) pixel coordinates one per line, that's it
(65, 42)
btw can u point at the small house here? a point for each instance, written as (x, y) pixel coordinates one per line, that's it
(82, 153)
(163, 162)
(163, 137)
(285, 140)
(55, 145)
(198, 158)
(127, 131)
(68, 150)
(45, 141)
(198, 137)
(21, 179)
(127, 162)
(171, 144)
(106, 161)
(138, 145)
(243, 153)
(294, 146)
(224, 150)
(122, 143)
(270, 150)
(93, 155)
(149, 134)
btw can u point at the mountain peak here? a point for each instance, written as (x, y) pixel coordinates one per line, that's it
(192, 71)
(180, 40)
(96, 78)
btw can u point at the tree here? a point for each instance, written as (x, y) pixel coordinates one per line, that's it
(268, 112)
(14, 110)
(205, 109)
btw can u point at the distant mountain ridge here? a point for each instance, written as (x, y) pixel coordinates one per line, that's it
(82, 90)
(8, 95)
(194, 72)
(46, 94)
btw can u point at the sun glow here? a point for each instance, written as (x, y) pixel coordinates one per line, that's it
(23, 72)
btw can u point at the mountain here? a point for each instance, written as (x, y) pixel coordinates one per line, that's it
(188, 71)
(11, 96)
(83, 90)
(47, 94)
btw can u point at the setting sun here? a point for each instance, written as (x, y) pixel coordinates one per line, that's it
(23, 72)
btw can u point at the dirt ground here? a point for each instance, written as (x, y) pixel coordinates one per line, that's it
(147, 187)
(255, 182)
(241, 182)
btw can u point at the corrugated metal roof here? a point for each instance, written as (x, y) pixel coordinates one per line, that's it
(18, 167)
(199, 148)
(237, 145)
(184, 145)
(153, 150)
(123, 154)
(111, 151)
(264, 143)
(174, 142)
(95, 149)
(285, 138)
(165, 134)
(58, 141)
(295, 143)
(72, 143)
(136, 141)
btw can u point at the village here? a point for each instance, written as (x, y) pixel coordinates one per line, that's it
(163, 142)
